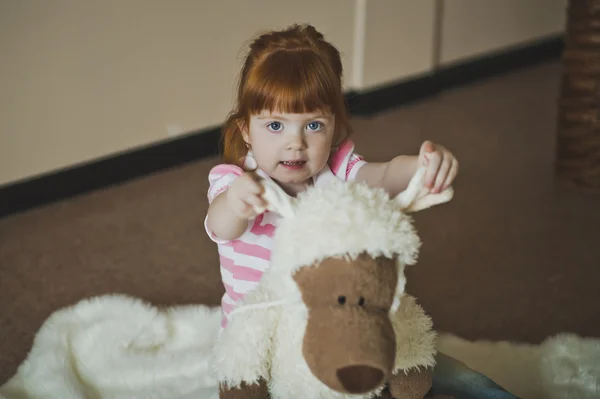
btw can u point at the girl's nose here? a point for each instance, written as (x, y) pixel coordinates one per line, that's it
(296, 142)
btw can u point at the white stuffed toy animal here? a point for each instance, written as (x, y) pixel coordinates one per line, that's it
(330, 318)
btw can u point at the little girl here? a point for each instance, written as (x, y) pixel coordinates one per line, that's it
(291, 126)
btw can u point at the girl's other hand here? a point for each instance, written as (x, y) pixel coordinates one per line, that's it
(442, 166)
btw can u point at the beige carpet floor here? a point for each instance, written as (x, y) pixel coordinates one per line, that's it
(511, 258)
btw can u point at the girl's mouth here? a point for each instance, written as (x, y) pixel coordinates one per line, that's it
(293, 164)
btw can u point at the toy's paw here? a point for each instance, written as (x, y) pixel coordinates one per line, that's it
(257, 390)
(411, 385)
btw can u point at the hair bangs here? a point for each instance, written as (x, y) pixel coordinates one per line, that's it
(291, 82)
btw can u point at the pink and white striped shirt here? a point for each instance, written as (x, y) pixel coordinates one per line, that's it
(244, 260)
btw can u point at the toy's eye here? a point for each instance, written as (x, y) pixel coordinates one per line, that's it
(361, 301)
(341, 299)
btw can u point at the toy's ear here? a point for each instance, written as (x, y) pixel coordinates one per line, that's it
(417, 197)
(277, 199)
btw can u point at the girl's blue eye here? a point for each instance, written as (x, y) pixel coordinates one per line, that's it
(315, 126)
(276, 126)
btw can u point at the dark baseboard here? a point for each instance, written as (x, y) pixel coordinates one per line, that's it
(116, 169)
(474, 70)
(392, 95)
(459, 74)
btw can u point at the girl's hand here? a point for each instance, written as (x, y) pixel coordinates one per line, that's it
(244, 195)
(442, 166)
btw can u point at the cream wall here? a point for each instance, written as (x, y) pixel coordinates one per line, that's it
(82, 80)
(398, 41)
(472, 27)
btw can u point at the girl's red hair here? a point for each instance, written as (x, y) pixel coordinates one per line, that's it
(294, 71)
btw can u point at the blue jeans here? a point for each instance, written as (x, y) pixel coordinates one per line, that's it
(453, 377)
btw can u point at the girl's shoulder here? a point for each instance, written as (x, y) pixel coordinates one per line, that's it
(344, 162)
(224, 170)
(220, 178)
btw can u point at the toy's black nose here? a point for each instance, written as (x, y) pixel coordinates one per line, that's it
(360, 379)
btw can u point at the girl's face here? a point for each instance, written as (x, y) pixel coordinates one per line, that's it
(290, 148)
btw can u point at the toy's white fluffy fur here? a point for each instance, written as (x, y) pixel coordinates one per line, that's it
(343, 218)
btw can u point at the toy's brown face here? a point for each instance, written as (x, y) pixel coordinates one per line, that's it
(349, 343)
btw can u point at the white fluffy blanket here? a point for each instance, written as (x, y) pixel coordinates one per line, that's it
(117, 347)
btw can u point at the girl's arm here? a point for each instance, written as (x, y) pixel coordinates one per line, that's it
(229, 213)
(392, 176)
(223, 221)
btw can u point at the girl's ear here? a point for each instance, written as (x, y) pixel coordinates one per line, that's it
(243, 127)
